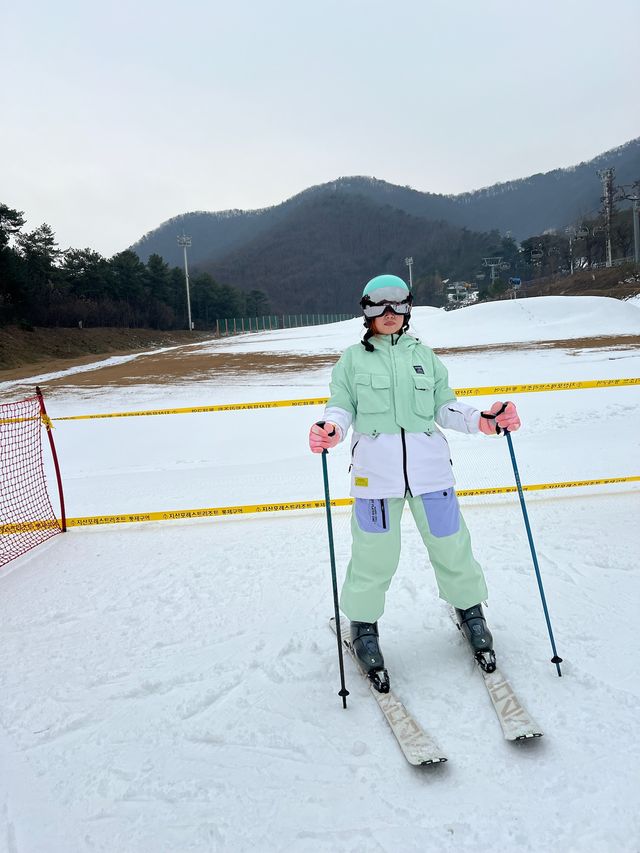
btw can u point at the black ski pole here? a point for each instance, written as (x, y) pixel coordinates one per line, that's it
(327, 502)
(556, 658)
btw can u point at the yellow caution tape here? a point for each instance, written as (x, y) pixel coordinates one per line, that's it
(30, 526)
(205, 512)
(321, 401)
(229, 407)
(222, 511)
(537, 487)
(45, 420)
(545, 386)
(18, 420)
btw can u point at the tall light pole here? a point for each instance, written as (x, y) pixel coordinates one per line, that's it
(185, 242)
(409, 263)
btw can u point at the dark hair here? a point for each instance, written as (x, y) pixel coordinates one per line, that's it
(368, 334)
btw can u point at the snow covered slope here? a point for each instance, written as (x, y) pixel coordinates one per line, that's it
(543, 318)
(173, 687)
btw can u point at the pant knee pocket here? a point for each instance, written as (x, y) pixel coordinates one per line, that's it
(442, 511)
(372, 515)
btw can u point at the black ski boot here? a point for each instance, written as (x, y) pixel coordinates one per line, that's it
(474, 626)
(364, 639)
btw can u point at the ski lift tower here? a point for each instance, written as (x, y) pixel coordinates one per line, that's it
(536, 256)
(636, 225)
(572, 233)
(493, 264)
(606, 176)
(185, 242)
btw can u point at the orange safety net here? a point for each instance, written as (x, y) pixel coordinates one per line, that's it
(26, 515)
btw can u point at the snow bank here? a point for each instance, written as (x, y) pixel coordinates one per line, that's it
(543, 318)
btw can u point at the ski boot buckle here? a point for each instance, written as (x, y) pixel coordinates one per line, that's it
(486, 660)
(380, 680)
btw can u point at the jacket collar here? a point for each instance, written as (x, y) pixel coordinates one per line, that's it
(385, 342)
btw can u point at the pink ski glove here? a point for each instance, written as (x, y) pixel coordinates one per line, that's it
(502, 415)
(323, 436)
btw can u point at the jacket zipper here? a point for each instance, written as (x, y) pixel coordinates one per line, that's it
(353, 450)
(404, 462)
(404, 443)
(384, 516)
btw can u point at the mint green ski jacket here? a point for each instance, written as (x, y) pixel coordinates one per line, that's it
(400, 385)
(394, 397)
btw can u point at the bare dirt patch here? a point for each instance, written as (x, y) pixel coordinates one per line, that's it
(616, 342)
(188, 364)
(620, 282)
(179, 366)
(43, 350)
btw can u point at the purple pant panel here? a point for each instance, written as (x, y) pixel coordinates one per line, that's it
(372, 515)
(442, 511)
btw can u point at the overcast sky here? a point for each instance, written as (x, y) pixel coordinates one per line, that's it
(117, 116)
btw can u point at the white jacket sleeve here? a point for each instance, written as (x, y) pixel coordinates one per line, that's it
(341, 418)
(458, 416)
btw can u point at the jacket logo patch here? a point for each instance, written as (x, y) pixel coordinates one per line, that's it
(418, 368)
(362, 481)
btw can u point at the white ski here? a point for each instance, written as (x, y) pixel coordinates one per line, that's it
(516, 722)
(418, 747)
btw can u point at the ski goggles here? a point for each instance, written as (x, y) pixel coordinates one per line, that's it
(377, 309)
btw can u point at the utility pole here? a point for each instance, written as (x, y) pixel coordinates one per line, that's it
(409, 263)
(185, 242)
(606, 176)
(572, 236)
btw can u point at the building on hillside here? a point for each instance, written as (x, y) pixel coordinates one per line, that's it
(461, 293)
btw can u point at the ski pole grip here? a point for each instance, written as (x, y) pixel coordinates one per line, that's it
(492, 417)
(322, 423)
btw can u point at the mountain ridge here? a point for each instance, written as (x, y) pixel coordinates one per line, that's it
(523, 207)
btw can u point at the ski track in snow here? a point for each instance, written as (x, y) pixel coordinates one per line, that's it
(173, 687)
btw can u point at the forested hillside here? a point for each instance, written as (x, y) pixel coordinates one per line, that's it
(42, 285)
(323, 252)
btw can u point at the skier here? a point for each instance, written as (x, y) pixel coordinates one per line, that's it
(393, 390)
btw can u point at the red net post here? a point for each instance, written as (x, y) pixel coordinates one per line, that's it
(26, 515)
(46, 420)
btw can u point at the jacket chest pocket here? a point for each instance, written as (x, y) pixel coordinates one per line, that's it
(373, 393)
(423, 401)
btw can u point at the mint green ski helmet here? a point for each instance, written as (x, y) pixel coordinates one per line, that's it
(386, 288)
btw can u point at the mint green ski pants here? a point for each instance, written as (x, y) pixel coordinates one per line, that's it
(375, 553)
